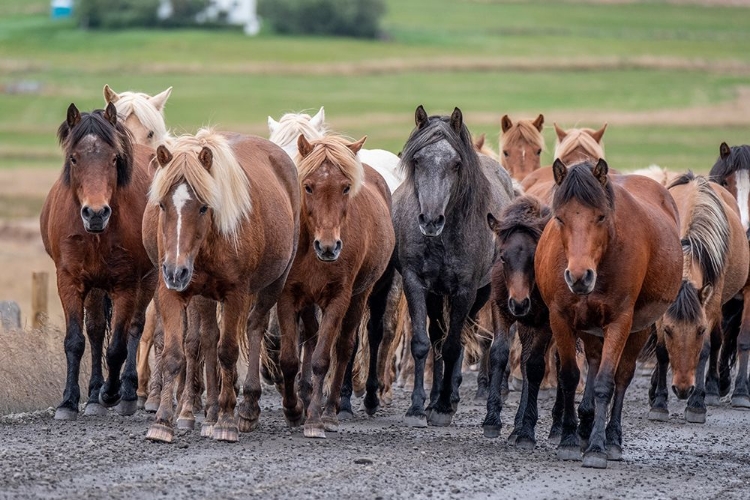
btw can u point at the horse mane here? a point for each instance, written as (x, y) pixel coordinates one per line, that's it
(225, 187)
(524, 214)
(470, 174)
(292, 125)
(579, 138)
(738, 159)
(95, 124)
(580, 184)
(687, 305)
(523, 130)
(333, 149)
(138, 104)
(707, 233)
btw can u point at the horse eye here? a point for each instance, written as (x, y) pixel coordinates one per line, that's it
(724, 184)
(151, 134)
(204, 209)
(502, 259)
(346, 189)
(308, 189)
(114, 160)
(538, 152)
(701, 331)
(72, 160)
(457, 165)
(506, 154)
(161, 206)
(601, 218)
(668, 331)
(559, 220)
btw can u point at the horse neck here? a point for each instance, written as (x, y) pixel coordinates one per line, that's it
(466, 205)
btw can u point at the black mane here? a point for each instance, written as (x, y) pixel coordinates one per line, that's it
(738, 159)
(96, 124)
(687, 305)
(580, 184)
(685, 178)
(524, 214)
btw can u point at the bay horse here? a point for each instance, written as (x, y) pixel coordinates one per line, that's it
(732, 171)
(222, 223)
(91, 227)
(715, 269)
(516, 300)
(521, 146)
(444, 248)
(345, 245)
(608, 266)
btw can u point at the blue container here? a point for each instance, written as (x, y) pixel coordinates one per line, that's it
(61, 9)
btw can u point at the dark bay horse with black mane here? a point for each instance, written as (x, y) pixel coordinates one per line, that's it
(444, 248)
(608, 266)
(91, 227)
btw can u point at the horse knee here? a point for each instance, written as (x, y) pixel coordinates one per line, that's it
(603, 386)
(419, 349)
(227, 353)
(569, 378)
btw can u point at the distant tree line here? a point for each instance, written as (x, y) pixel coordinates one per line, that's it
(118, 14)
(355, 18)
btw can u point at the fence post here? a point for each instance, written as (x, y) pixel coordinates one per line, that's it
(39, 283)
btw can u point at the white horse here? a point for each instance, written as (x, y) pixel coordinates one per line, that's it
(287, 130)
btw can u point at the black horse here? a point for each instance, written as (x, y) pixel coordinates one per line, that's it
(444, 248)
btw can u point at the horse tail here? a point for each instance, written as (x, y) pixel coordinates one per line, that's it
(361, 367)
(270, 349)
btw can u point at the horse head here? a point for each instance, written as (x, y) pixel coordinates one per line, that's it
(521, 146)
(142, 114)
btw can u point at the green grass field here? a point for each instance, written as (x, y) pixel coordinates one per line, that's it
(578, 62)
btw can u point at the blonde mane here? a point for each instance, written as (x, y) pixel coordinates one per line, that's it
(333, 149)
(138, 104)
(292, 125)
(225, 187)
(579, 138)
(522, 130)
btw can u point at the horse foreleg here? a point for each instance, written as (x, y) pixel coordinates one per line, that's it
(741, 394)
(144, 348)
(186, 417)
(289, 358)
(587, 408)
(438, 332)
(209, 344)
(659, 394)
(732, 313)
(393, 324)
(555, 431)
(695, 411)
(499, 353)
(712, 376)
(535, 343)
(123, 306)
(565, 339)
(347, 386)
(310, 328)
(75, 343)
(95, 307)
(420, 346)
(155, 385)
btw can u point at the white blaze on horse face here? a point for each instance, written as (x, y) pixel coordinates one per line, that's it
(179, 198)
(743, 196)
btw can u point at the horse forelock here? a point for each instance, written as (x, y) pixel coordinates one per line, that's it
(117, 137)
(579, 138)
(581, 185)
(687, 306)
(139, 105)
(524, 214)
(522, 130)
(292, 125)
(333, 149)
(738, 159)
(225, 187)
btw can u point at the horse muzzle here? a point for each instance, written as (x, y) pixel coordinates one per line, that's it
(95, 221)
(581, 285)
(683, 392)
(328, 253)
(431, 227)
(177, 277)
(519, 309)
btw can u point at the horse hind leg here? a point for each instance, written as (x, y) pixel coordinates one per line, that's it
(695, 411)
(741, 394)
(438, 333)
(498, 353)
(144, 349)
(393, 327)
(347, 386)
(712, 376)
(658, 393)
(96, 308)
(378, 304)
(732, 314)
(155, 383)
(187, 393)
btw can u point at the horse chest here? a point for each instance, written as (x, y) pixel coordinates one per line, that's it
(99, 260)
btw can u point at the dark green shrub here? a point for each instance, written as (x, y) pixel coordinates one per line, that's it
(355, 18)
(117, 14)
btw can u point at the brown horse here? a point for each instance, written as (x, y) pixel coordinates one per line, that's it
(221, 223)
(345, 245)
(521, 146)
(715, 269)
(608, 267)
(91, 227)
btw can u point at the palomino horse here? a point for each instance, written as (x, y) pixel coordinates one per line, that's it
(291, 125)
(516, 299)
(91, 227)
(481, 146)
(444, 248)
(608, 267)
(521, 146)
(732, 170)
(715, 269)
(346, 242)
(222, 222)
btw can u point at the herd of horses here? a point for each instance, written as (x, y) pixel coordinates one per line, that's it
(299, 248)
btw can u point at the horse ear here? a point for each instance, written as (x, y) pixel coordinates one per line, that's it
(561, 134)
(706, 293)
(110, 114)
(163, 156)
(492, 222)
(559, 170)
(319, 119)
(110, 95)
(356, 146)
(206, 157)
(479, 142)
(74, 116)
(159, 100)
(724, 150)
(505, 123)
(273, 125)
(597, 135)
(420, 117)
(303, 146)
(457, 120)
(539, 122)
(600, 171)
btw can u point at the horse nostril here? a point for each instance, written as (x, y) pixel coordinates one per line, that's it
(690, 391)
(338, 246)
(421, 219)
(164, 270)
(106, 211)
(316, 246)
(440, 220)
(526, 304)
(589, 277)
(86, 212)
(568, 277)
(183, 275)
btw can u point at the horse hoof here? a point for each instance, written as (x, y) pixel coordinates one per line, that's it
(160, 432)
(595, 460)
(386, 399)
(93, 410)
(481, 395)
(740, 402)
(515, 384)
(712, 400)
(371, 411)
(186, 423)
(247, 425)
(568, 453)
(695, 415)
(359, 393)
(314, 431)
(658, 414)
(109, 404)
(438, 419)
(416, 420)
(207, 429)
(126, 408)
(554, 438)
(512, 438)
(64, 413)
(227, 433)
(491, 431)
(141, 402)
(614, 452)
(524, 443)
(330, 424)
(345, 415)
(151, 406)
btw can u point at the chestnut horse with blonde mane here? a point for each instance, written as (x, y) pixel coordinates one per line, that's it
(608, 266)
(346, 242)
(715, 269)
(521, 146)
(222, 223)
(91, 227)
